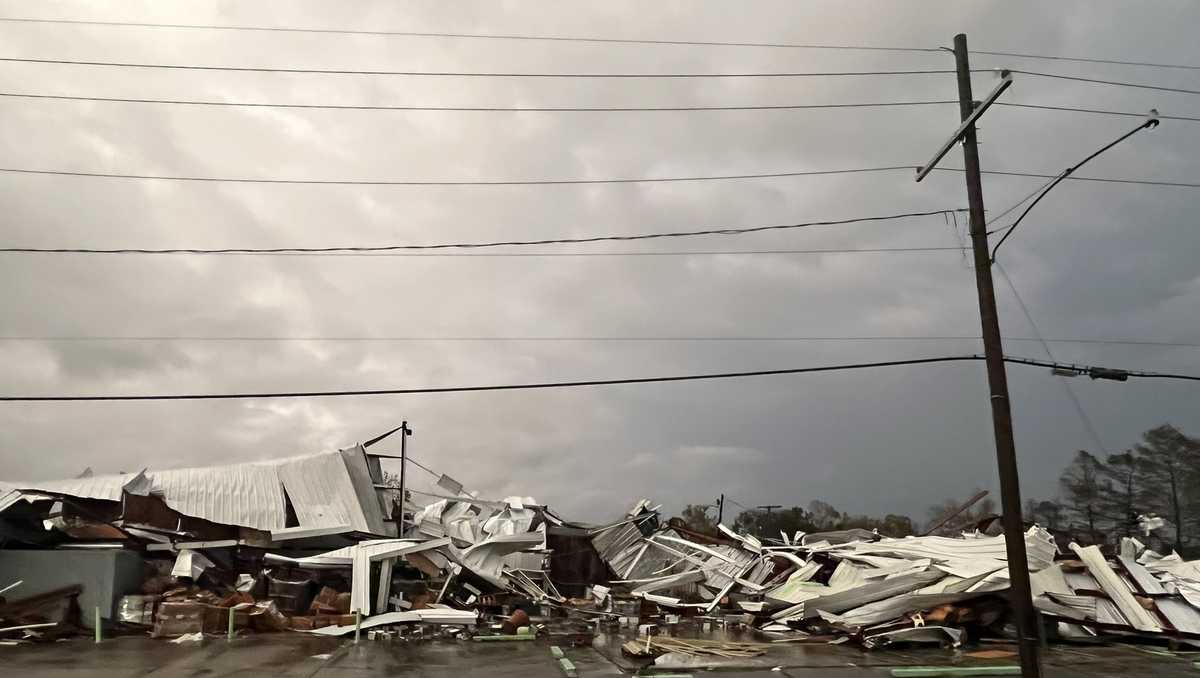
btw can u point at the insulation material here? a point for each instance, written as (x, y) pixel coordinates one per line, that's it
(190, 564)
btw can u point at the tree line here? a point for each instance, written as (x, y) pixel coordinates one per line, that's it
(1103, 499)
(1100, 500)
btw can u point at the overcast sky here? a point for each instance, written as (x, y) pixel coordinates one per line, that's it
(1093, 261)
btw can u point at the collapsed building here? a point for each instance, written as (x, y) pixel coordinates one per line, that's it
(321, 544)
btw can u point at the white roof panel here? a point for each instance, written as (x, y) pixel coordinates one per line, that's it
(249, 494)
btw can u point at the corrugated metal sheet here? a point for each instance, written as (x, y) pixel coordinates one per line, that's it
(1182, 616)
(108, 487)
(720, 571)
(363, 483)
(320, 490)
(248, 494)
(327, 490)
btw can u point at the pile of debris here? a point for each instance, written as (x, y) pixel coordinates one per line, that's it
(856, 585)
(320, 544)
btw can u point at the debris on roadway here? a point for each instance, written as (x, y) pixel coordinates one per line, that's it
(314, 544)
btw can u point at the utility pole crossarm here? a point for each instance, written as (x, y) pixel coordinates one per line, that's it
(1005, 82)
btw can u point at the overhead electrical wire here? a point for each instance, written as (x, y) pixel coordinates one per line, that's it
(452, 182)
(487, 36)
(634, 253)
(1115, 83)
(1088, 60)
(559, 182)
(1105, 180)
(567, 339)
(585, 39)
(563, 109)
(486, 109)
(473, 74)
(1098, 111)
(1083, 369)
(1149, 124)
(475, 245)
(563, 384)
(494, 387)
(1086, 420)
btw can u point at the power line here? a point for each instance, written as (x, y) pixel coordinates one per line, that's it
(1037, 333)
(1098, 111)
(499, 387)
(555, 38)
(1116, 83)
(502, 182)
(504, 243)
(562, 109)
(1089, 60)
(557, 182)
(486, 109)
(1086, 369)
(470, 74)
(1149, 124)
(597, 339)
(645, 253)
(1139, 182)
(485, 36)
(1014, 206)
(574, 384)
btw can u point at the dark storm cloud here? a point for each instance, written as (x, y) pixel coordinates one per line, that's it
(1095, 260)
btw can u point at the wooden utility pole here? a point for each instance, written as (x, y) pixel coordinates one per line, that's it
(993, 349)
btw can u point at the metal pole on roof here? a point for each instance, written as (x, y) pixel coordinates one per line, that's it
(405, 432)
(1006, 453)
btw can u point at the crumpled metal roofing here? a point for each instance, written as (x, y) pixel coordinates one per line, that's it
(247, 494)
(330, 489)
(323, 492)
(107, 487)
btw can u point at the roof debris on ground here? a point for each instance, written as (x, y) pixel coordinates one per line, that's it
(314, 544)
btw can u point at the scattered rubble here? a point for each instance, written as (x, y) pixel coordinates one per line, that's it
(313, 544)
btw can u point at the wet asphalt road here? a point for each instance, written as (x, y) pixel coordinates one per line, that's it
(297, 655)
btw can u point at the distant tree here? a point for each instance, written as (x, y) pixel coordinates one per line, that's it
(978, 511)
(770, 525)
(820, 517)
(1048, 514)
(1084, 491)
(824, 517)
(696, 517)
(1123, 500)
(894, 525)
(1170, 464)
